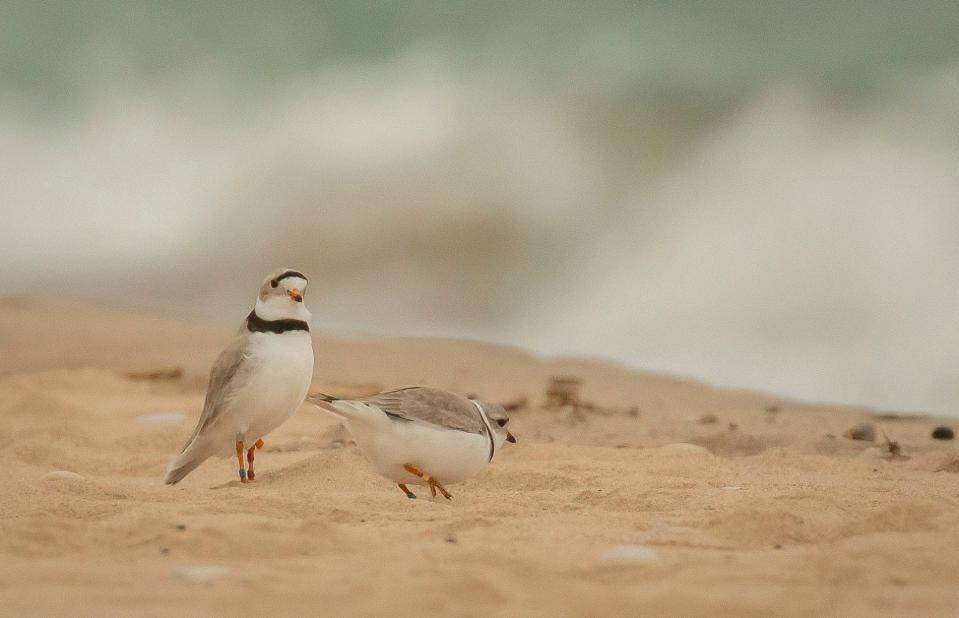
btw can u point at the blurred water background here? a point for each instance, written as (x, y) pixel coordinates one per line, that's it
(759, 194)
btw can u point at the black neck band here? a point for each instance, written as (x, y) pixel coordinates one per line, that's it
(492, 443)
(256, 324)
(489, 430)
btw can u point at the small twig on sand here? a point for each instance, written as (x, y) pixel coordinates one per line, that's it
(892, 447)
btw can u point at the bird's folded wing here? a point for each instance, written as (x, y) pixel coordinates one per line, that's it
(229, 374)
(430, 405)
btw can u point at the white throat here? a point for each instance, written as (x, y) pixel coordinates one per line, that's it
(281, 308)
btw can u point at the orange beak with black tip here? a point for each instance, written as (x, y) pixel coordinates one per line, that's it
(295, 295)
(510, 437)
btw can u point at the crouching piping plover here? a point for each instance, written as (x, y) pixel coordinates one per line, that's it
(421, 435)
(257, 382)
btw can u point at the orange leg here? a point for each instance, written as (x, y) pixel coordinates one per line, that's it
(406, 490)
(430, 481)
(250, 474)
(239, 458)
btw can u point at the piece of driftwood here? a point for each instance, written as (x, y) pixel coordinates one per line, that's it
(563, 391)
(166, 373)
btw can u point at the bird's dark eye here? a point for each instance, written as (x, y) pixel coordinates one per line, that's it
(274, 283)
(501, 422)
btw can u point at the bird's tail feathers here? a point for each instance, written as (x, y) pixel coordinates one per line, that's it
(324, 401)
(342, 408)
(317, 397)
(184, 463)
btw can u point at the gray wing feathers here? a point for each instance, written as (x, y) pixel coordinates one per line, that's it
(430, 405)
(228, 375)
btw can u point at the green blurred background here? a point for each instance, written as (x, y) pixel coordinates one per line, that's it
(760, 194)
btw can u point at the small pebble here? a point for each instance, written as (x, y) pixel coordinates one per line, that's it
(683, 449)
(629, 553)
(451, 539)
(708, 419)
(62, 475)
(181, 527)
(863, 431)
(943, 433)
(198, 574)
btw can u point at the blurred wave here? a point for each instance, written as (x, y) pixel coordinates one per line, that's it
(760, 195)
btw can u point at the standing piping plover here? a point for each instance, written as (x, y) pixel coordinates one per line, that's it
(257, 382)
(422, 435)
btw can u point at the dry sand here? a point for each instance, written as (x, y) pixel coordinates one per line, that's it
(768, 510)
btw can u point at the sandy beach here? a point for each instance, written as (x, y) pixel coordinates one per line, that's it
(660, 496)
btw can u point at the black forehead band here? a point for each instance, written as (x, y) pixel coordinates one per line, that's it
(290, 273)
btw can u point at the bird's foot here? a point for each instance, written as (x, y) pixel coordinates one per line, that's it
(435, 485)
(432, 483)
(406, 490)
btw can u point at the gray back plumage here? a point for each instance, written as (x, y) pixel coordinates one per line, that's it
(430, 405)
(230, 373)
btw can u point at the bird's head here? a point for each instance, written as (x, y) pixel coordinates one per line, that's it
(281, 296)
(499, 421)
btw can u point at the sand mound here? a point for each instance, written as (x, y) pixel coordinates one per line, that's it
(738, 503)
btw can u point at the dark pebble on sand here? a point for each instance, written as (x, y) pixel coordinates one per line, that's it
(181, 527)
(943, 433)
(862, 431)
